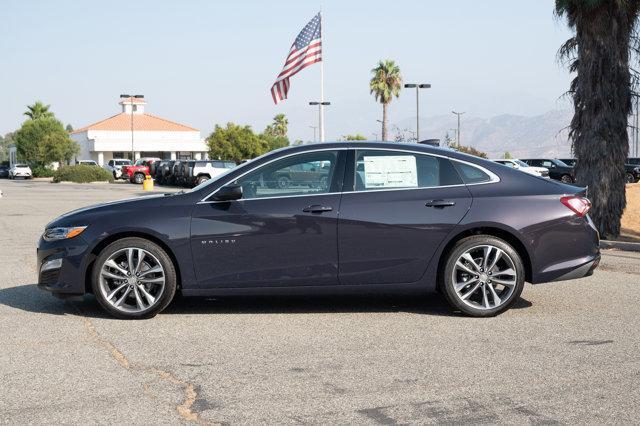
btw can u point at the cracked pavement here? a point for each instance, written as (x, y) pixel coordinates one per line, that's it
(567, 353)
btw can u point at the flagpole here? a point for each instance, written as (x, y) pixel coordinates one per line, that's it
(321, 118)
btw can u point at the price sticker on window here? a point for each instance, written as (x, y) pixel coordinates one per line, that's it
(391, 171)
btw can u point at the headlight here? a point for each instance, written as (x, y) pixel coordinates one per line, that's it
(62, 233)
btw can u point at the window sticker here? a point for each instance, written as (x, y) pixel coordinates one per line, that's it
(391, 171)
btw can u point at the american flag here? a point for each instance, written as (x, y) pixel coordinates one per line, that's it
(306, 50)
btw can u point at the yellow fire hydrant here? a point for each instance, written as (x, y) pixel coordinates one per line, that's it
(147, 185)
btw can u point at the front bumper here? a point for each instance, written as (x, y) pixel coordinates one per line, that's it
(67, 279)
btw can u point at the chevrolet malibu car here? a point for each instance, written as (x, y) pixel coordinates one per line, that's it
(383, 218)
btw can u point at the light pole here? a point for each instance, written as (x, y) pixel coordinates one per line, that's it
(314, 132)
(320, 123)
(131, 98)
(375, 136)
(417, 87)
(458, 132)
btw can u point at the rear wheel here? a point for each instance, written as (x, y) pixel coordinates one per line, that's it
(483, 276)
(202, 179)
(134, 278)
(566, 179)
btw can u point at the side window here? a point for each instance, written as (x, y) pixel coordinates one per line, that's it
(471, 174)
(547, 163)
(300, 174)
(376, 169)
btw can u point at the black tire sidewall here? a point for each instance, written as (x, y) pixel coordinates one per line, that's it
(163, 258)
(465, 244)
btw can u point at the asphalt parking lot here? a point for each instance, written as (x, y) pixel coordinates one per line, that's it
(568, 353)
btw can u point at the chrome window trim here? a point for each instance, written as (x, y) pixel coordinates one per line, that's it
(493, 177)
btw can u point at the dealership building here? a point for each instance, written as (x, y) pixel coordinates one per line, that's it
(152, 136)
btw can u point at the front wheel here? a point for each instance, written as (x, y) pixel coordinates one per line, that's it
(483, 276)
(566, 179)
(202, 179)
(134, 278)
(138, 178)
(630, 178)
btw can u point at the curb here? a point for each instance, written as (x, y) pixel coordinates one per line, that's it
(620, 245)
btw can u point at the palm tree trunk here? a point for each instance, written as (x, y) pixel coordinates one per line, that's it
(384, 122)
(602, 103)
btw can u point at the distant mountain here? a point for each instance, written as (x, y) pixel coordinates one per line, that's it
(541, 135)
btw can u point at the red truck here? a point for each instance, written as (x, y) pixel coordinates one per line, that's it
(137, 172)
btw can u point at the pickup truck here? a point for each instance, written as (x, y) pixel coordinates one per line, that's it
(137, 172)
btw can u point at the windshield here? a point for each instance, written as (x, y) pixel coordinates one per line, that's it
(560, 163)
(520, 163)
(122, 162)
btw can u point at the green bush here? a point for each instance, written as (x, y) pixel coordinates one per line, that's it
(39, 171)
(82, 173)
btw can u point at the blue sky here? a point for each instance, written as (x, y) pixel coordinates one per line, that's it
(207, 62)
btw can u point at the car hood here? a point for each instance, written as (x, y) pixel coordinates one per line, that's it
(86, 215)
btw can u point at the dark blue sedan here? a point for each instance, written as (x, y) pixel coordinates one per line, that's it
(329, 218)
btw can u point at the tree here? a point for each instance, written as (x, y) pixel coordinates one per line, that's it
(38, 110)
(4, 146)
(507, 155)
(279, 127)
(599, 55)
(69, 128)
(356, 137)
(469, 150)
(384, 86)
(235, 143)
(44, 140)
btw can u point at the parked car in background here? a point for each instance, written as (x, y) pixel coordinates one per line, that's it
(20, 170)
(418, 219)
(87, 163)
(115, 166)
(521, 165)
(557, 169)
(164, 172)
(4, 171)
(632, 173)
(180, 172)
(202, 170)
(137, 172)
(632, 170)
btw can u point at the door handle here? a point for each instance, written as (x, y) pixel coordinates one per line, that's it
(317, 209)
(440, 203)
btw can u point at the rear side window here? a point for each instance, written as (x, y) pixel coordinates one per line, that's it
(471, 174)
(377, 169)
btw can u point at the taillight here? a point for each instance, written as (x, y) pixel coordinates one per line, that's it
(579, 205)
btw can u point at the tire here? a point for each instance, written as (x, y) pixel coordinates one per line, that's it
(566, 179)
(202, 179)
(283, 182)
(138, 178)
(116, 253)
(469, 298)
(630, 178)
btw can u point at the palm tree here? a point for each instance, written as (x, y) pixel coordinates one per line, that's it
(280, 125)
(599, 55)
(384, 85)
(38, 110)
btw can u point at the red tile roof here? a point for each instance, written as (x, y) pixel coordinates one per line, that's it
(141, 122)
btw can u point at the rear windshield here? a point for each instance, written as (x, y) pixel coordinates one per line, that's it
(122, 162)
(21, 165)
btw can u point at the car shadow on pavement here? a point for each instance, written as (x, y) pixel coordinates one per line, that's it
(29, 298)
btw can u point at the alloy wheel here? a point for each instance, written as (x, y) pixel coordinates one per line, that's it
(484, 277)
(132, 280)
(566, 179)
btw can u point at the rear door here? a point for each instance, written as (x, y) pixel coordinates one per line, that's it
(399, 208)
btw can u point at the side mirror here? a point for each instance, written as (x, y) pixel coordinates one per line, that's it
(228, 193)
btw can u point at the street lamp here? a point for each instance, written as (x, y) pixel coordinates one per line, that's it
(458, 132)
(125, 96)
(417, 87)
(314, 132)
(320, 123)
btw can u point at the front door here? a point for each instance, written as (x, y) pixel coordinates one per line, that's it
(282, 232)
(401, 208)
